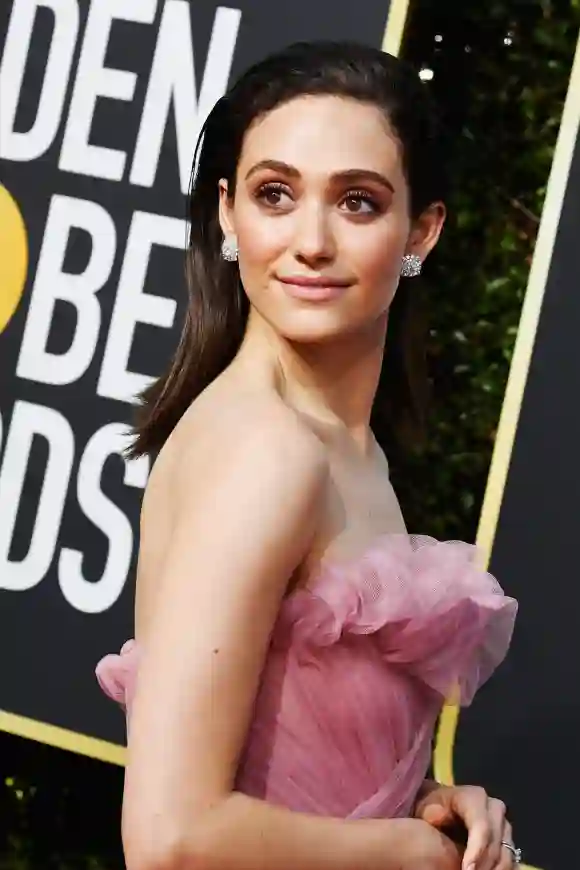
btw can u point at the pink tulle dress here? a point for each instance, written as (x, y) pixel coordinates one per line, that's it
(360, 662)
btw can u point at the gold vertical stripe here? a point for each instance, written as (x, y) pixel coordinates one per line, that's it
(396, 19)
(444, 744)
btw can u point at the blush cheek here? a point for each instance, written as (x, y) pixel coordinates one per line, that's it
(379, 273)
(262, 242)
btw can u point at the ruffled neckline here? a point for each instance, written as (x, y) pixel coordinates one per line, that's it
(380, 545)
(428, 603)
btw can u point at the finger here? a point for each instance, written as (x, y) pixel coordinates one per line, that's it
(496, 811)
(436, 815)
(471, 805)
(506, 860)
(436, 811)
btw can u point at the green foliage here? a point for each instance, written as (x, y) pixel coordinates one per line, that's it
(503, 103)
(500, 73)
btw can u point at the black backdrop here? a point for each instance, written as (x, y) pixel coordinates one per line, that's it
(91, 228)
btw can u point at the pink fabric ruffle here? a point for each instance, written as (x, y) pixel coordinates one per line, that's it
(359, 665)
(117, 674)
(429, 605)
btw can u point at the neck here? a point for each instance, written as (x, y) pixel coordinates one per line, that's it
(332, 381)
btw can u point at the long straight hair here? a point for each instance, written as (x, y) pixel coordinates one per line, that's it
(217, 310)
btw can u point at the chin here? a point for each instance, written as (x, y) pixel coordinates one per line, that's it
(317, 327)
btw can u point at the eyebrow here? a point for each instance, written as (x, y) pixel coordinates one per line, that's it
(346, 175)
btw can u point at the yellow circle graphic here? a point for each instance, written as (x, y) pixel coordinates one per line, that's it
(14, 256)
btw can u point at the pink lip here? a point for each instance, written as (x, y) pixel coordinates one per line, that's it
(313, 281)
(317, 288)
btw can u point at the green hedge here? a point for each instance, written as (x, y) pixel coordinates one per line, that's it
(500, 72)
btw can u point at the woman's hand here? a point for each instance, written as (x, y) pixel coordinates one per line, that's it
(484, 819)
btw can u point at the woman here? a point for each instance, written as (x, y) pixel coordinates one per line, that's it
(293, 644)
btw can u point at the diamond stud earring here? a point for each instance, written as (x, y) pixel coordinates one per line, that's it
(230, 249)
(411, 266)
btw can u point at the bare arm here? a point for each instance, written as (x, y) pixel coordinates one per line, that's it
(242, 525)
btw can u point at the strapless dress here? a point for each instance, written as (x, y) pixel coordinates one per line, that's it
(360, 663)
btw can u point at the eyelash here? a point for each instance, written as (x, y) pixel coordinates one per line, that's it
(364, 196)
(278, 187)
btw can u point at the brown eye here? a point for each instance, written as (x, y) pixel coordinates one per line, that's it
(273, 195)
(359, 202)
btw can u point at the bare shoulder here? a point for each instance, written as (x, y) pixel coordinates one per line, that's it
(241, 481)
(249, 438)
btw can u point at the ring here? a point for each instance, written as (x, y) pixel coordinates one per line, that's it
(517, 853)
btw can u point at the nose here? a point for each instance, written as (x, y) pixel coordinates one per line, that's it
(314, 241)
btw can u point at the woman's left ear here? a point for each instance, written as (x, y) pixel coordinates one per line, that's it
(225, 209)
(426, 230)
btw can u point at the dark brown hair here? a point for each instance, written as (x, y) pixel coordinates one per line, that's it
(217, 312)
